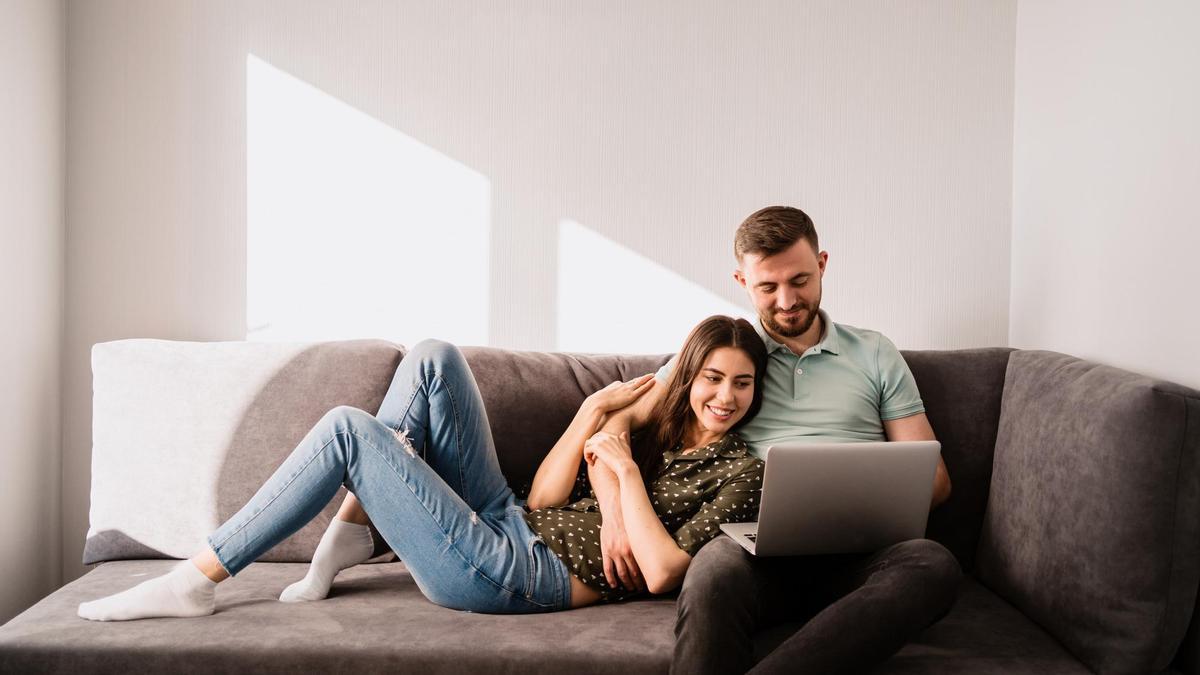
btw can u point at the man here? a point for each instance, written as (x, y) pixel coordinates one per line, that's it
(824, 381)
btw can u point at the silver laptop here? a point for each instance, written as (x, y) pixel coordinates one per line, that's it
(823, 498)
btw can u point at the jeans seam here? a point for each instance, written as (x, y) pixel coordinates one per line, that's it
(458, 445)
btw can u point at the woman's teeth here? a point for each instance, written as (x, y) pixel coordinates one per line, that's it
(720, 412)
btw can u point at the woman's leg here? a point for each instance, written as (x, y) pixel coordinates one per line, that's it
(433, 382)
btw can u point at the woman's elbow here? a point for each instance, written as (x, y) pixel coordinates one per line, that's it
(667, 577)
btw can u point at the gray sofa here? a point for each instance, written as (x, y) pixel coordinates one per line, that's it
(1075, 515)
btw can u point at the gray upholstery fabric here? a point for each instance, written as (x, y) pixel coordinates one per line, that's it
(195, 428)
(375, 621)
(961, 390)
(1093, 521)
(531, 397)
(983, 635)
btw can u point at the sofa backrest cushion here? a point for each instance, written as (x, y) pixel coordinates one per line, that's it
(531, 397)
(961, 390)
(183, 433)
(1093, 521)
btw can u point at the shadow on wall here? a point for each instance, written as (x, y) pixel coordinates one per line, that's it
(346, 213)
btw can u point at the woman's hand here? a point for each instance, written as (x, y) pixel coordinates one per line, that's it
(613, 451)
(620, 394)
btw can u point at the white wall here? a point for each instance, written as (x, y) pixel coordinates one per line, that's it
(650, 128)
(32, 108)
(1106, 169)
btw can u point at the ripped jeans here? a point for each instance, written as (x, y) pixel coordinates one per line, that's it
(425, 471)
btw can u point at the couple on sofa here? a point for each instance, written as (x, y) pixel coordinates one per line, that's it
(643, 511)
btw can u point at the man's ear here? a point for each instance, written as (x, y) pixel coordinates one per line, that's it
(822, 261)
(741, 278)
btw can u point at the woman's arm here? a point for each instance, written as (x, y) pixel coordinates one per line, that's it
(661, 561)
(556, 474)
(620, 565)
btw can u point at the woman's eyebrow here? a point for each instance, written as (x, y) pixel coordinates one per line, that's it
(736, 377)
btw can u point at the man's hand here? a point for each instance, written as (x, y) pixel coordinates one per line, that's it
(619, 564)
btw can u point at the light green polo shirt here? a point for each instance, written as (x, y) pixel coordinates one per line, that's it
(841, 389)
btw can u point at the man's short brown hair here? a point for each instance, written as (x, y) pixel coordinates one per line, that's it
(773, 230)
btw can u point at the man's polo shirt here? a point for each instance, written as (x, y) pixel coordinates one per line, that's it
(841, 389)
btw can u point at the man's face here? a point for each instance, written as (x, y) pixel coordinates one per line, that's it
(785, 287)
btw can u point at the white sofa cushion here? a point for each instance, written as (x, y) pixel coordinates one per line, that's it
(183, 433)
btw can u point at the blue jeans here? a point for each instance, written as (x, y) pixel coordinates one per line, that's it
(425, 471)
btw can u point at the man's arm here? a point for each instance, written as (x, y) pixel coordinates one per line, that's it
(916, 428)
(619, 563)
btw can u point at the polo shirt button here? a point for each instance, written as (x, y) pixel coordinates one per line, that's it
(799, 371)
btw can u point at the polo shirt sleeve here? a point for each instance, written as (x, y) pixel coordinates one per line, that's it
(736, 502)
(898, 393)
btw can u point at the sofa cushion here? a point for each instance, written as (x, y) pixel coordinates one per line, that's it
(374, 621)
(1093, 521)
(183, 433)
(531, 397)
(983, 635)
(961, 390)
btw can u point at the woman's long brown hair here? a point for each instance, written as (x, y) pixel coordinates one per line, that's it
(668, 423)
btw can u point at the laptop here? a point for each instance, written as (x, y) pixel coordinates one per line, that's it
(822, 498)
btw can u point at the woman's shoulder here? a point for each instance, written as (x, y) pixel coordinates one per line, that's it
(732, 445)
(736, 448)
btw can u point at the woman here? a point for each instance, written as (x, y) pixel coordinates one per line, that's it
(425, 469)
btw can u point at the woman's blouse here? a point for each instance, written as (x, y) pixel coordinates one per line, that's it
(692, 495)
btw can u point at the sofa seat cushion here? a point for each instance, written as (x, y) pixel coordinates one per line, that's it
(375, 620)
(983, 635)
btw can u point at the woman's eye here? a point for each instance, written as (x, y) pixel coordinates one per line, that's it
(712, 378)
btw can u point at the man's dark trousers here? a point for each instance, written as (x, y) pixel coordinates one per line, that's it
(863, 608)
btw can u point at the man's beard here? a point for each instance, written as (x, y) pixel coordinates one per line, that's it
(792, 330)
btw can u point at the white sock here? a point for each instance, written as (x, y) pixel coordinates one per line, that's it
(184, 591)
(343, 545)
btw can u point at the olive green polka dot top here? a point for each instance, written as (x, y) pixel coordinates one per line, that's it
(692, 494)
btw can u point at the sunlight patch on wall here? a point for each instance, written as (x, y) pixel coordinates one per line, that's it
(355, 229)
(612, 299)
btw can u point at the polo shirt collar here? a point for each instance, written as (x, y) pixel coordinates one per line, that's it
(830, 341)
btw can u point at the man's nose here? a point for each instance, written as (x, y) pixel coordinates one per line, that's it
(786, 299)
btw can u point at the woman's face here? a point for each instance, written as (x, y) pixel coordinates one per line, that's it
(722, 392)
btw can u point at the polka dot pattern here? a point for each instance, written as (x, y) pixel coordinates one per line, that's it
(692, 493)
